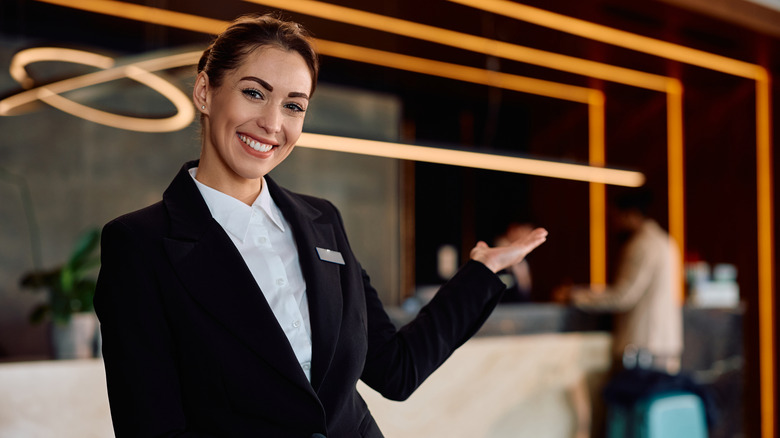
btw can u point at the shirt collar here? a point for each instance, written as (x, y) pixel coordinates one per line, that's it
(266, 203)
(233, 214)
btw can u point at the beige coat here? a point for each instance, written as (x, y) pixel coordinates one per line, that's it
(645, 295)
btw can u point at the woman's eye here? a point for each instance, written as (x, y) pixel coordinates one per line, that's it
(252, 93)
(295, 107)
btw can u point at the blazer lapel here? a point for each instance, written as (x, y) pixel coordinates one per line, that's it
(216, 276)
(323, 280)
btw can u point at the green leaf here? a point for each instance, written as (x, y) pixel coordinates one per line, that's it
(70, 290)
(85, 245)
(67, 279)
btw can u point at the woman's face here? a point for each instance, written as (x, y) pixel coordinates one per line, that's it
(253, 119)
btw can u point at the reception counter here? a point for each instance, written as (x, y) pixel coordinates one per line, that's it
(711, 335)
(528, 319)
(500, 387)
(540, 337)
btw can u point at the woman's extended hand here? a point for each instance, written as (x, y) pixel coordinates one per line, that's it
(502, 257)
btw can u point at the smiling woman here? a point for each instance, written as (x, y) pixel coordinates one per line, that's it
(251, 121)
(235, 307)
(253, 87)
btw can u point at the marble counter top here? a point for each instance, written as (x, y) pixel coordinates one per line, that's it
(498, 387)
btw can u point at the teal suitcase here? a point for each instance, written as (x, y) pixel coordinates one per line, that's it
(663, 415)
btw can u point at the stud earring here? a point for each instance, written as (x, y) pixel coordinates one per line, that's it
(203, 107)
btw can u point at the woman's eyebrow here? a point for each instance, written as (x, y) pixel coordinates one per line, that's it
(298, 94)
(262, 83)
(269, 87)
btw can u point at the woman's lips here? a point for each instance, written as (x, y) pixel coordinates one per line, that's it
(254, 144)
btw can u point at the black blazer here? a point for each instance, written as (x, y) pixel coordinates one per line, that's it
(192, 348)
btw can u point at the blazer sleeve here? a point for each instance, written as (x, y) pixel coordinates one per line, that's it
(141, 371)
(398, 361)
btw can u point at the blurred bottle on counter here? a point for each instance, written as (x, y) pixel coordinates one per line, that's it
(711, 288)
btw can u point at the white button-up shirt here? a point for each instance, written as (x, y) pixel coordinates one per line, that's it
(265, 241)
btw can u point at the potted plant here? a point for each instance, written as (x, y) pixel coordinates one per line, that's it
(70, 288)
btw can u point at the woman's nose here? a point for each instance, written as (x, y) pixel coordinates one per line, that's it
(270, 119)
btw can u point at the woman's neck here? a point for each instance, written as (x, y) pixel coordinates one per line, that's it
(231, 184)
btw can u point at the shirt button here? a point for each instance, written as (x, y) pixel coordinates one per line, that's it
(296, 324)
(306, 366)
(263, 240)
(280, 281)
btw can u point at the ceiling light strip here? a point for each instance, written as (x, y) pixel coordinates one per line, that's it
(615, 37)
(145, 14)
(577, 172)
(469, 42)
(455, 71)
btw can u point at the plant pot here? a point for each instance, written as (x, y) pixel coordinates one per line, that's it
(79, 338)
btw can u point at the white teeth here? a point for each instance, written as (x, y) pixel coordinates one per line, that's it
(260, 147)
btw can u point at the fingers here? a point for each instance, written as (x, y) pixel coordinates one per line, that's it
(532, 240)
(478, 248)
(537, 233)
(499, 258)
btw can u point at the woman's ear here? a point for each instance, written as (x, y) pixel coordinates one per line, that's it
(200, 93)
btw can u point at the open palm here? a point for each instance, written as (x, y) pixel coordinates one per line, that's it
(498, 258)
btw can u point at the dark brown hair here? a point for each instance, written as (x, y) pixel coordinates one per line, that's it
(249, 32)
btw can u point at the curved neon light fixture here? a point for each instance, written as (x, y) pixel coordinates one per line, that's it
(140, 72)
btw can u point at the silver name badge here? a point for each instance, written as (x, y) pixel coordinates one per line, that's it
(328, 255)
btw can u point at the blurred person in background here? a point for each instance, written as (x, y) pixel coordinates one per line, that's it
(646, 293)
